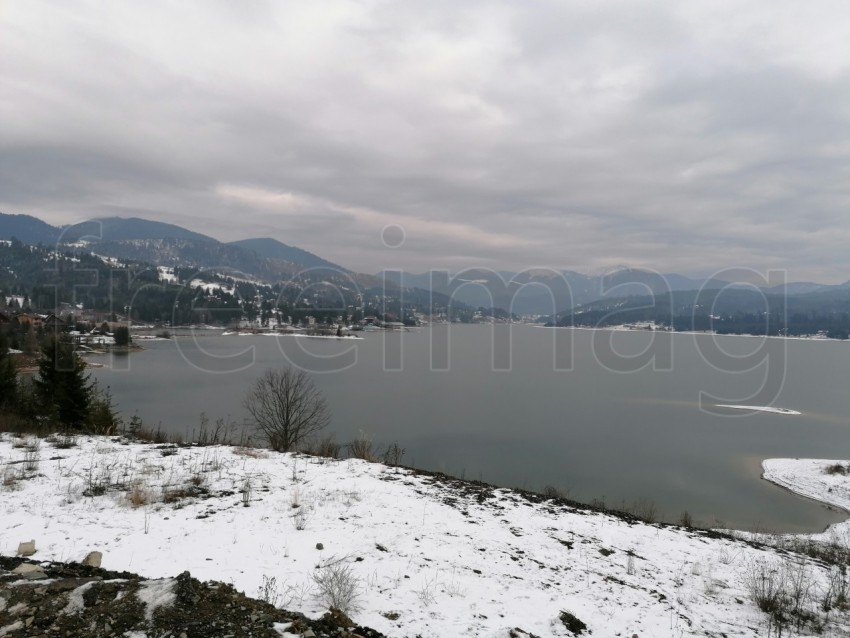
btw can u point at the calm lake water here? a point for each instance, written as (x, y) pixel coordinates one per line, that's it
(598, 414)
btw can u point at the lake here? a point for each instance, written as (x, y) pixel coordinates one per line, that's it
(616, 416)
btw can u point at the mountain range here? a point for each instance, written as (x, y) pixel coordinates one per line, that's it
(165, 244)
(531, 292)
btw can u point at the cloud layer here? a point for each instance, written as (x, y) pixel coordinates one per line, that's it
(677, 136)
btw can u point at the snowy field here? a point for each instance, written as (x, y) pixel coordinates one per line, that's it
(428, 556)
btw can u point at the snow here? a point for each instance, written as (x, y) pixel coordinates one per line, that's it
(156, 593)
(760, 408)
(210, 287)
(446, 557)
(167, 275)
(75, 599)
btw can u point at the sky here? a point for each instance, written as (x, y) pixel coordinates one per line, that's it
(677, 136)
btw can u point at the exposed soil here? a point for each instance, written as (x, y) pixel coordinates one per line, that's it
(71, 599)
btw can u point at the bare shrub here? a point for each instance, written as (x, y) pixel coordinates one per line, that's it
(726, 556)
(220, 433)
(363, 448)
(300, 518)
(32, 455)
(798, 586)
(645, 510)
(427, 593)
(836, 595)
(763, 580)
(9, 479)
(149, 435)
(550, 491)
(138, 495)
(338, 586)
(836, 468)
(268, 591)
(686, 520)
(18, 424)
(393, 455)
(325, 447)
(64, 441)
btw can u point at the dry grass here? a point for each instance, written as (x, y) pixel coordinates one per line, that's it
(138, 495)
(18, 425)
(836, 468)
(363, 448)
(10, 479)
(252, 452)
(325, 447)
(175, 494)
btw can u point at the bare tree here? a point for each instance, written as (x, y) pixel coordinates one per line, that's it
(287, 407)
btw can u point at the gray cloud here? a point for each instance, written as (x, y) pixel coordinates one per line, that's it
(677, 136)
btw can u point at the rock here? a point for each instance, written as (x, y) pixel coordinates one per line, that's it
(319, 546)
(26, 568)
(35, 575)
(26, 549)
(308, 634)
(93, 559)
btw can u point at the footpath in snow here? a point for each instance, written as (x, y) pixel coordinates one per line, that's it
(427, 555)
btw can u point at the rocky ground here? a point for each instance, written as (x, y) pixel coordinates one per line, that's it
(72, 599)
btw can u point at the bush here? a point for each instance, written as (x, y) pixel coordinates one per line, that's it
(765, 582)
(325, 447)
(362, 448)
(338, 587)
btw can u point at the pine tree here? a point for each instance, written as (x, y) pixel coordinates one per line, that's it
(8, 377)
(62, 384)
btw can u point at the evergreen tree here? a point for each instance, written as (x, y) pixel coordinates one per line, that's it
(62, 384)
(121, 334)
(8, 376)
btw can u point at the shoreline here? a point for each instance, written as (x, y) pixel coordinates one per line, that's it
(808, 478)
(707, 333)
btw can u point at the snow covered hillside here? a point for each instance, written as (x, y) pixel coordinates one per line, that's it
(426, 555)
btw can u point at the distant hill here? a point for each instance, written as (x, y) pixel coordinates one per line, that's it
(274, 249)
(542, 291)
(125, 229)
(27, 229)
(731, 310)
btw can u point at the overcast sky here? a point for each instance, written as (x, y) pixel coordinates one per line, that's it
(679, 136)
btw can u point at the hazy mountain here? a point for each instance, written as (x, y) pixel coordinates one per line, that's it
(544, 291)
(730, 310)
(27, 229)
(126, 229)
(165, 244)
(274, 249)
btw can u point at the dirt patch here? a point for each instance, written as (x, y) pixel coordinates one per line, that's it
(70, 599)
